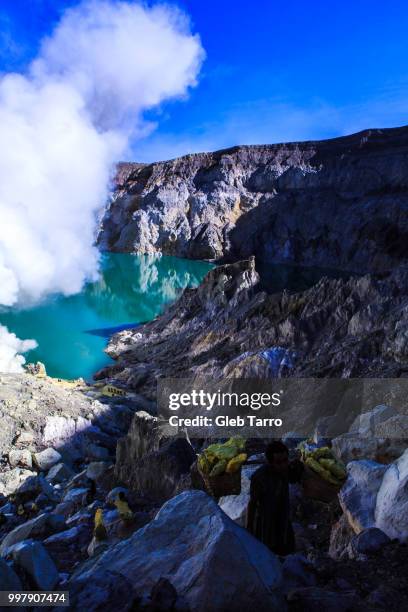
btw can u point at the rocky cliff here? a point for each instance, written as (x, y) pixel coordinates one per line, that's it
(338, 203)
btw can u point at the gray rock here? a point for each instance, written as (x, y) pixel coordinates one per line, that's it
(157, 474)
(64, 537)
(211, 562)
(37, 403)
(391, 509)
(8, 508)
(61, 429)
(235, 506)
(395, 427)
(340, 537)
(376, 495)
(65, 508)
(59, 473)
(359, 493)
(366, 423)
(350, 447)
(37, 485)
(34, 559)
(46, 459)
(20, 458)
(11, 481)
(9, 581)
(39, 526)
(82, 516)
(368, 541)
(79, 480)
(107, 591)
(75, 495)
(143, 437)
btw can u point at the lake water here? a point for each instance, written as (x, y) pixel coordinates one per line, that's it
(72, 332)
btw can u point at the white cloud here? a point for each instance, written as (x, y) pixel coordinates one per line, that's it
(64, 124)
(10, 347)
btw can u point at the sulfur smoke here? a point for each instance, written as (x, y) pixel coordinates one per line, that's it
(63, 124)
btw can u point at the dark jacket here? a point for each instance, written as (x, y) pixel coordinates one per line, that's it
(268, 517)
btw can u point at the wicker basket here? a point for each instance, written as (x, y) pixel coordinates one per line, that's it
(224, 484)
(317, 488)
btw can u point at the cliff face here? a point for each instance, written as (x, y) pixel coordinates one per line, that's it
(339, 203)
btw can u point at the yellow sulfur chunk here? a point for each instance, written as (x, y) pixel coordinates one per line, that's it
(334, 467)
(235, 463)
(219, 468)
(323, 451)
(125, 512)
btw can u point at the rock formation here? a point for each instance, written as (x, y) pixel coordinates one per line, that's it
(338, 203)
(227, 327)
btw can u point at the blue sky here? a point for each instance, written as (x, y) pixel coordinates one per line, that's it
(274, 70)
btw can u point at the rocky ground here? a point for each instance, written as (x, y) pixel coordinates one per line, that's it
(338, 203)
(227, 327)
(169, 546)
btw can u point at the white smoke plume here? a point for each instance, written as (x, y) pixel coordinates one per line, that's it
(63, 124)
(10, 347)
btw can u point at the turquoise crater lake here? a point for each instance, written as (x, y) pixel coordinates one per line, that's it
(73, 331)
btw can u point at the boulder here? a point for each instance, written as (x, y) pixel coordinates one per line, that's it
(380, 434)
(158, 473)
(391, 509)
(340, 537)
(235, 506)
(351, 447)
(359, 493)
(60, 472)
(107, 591)
(365, 424)
(75, 495)
(382, 448)
(36, 485)
(368, 541)
(395, 428)
(25, 437)
(376, 495)
(46, 459)
(21, 458)
(69, 546)
(211, 562)
(143, 437)
(39, 526)
(9, 581)
(34, 559)
(11, 481)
